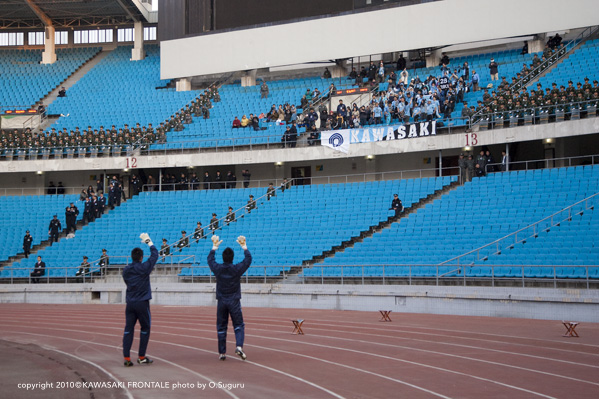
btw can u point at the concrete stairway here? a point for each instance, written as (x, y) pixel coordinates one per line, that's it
(385, 224)
(74, 78)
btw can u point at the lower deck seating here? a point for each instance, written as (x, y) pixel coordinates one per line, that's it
(478, 213)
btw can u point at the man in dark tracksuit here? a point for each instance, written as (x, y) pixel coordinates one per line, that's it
(137, 278)
(228, 295)
(27, 240)
(71, 213)
(54, 229)
(396, 205)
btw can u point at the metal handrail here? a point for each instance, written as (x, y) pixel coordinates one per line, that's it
(544, 65)
(535, 112)
(41, 190)
(117, 149)
(536, 231)
(222, 220)
(139, 143)
(547, 161)
(413, 275)
(555, 58)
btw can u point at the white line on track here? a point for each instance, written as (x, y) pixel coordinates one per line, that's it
(437, 342)
(420, 364)
(118, 347)
(407, 331)
(357, 369)
(184, 368)
(129, 395)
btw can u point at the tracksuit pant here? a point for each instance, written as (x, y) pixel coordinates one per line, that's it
(137, 311)
(225, 308)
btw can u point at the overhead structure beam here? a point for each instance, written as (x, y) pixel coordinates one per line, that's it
(184, 57)
(38, 11)
(128, 11)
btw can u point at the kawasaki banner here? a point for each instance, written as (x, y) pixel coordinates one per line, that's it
(340, 139)
(393, 132)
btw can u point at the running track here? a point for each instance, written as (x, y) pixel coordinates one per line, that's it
(343, 354)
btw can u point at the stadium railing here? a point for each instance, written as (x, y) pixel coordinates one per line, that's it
(526, 233)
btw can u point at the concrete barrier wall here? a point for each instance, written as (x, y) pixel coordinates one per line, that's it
(529, 303)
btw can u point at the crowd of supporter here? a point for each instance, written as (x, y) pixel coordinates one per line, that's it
(100, 137)
(405, 100)
(582, 97)
(28, 139)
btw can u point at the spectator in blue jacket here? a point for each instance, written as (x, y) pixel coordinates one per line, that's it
(137, 277)
(228, 295)
(475, 80)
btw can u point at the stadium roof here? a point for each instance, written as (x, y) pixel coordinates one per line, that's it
(22, 14)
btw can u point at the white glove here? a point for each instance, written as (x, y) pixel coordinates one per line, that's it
(216, 242)
(241, 241)
(145, 239)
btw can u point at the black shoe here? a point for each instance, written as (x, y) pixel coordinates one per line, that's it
(222, 356)
(239, 352)
(145, 360)
(128, 363)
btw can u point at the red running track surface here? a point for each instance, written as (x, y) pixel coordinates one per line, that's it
(343, 354)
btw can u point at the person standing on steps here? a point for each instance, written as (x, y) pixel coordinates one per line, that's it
(27, 240)
(54, 229)
(396, 205)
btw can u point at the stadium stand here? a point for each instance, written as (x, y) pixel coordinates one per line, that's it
(471, 216)
(239, 101)
(25, 81)
(583, 63)
(118, 91)
(331, 213)
(33, 213)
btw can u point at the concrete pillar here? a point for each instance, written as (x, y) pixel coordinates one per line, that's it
(184, 84)
(433, 59)
(339, 71)
(534, 46)
(138, 42)
(249, 78)
(49, 54)
(71, 37)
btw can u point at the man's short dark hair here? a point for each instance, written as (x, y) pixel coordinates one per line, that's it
(137, 254)
(228, 255)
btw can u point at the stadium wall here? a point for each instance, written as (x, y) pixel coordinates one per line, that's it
(230, 51)
(256, 156)
(530, 303)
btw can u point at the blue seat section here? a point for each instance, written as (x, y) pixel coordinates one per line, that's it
(307, 220)
(480, 212)
(568, 245)
(239, 101)
(25, 81)
(292, 227)
(32, 212)
(583, 62)
(160, 214)
(118, 91)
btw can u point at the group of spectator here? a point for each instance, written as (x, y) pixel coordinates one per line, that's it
(172, 182)
(86, 138)
(214, 223)
(27, 139)
(52, 189)
(503, 104)
(471, 166)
